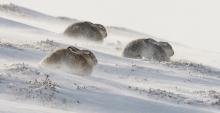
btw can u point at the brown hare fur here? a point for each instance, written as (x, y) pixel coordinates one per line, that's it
(72, 60)
(87, 30)
(148, 49)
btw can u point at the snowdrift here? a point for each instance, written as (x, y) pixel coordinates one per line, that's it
(190, 83)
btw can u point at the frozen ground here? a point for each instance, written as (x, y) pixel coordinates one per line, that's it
(190, 83)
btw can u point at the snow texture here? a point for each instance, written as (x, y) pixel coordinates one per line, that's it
(189, 83)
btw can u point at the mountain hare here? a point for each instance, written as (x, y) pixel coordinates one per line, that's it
(72, 60)
(87, 30)
(148, 49)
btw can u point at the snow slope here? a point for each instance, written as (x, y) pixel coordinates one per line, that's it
(190, 83)
(35, 18)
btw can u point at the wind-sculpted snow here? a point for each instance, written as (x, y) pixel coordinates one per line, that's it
(8, 45)
(28, 13)
(47, 45)
(30, 17)
(5, 23)
(117, 84)
(12, 8)
(209, 98)
(194, 68)
(28, 83)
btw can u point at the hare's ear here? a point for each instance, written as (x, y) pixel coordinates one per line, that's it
(72, 48)
(76, 52)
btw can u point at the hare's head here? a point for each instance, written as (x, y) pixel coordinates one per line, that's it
(167, 48)
(86, 54)
(89, 56)
(149, 40)
(102, 30)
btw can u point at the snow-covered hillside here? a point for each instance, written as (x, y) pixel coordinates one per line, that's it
(190, 83)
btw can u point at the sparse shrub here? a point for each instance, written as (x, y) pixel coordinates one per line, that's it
(43, 89)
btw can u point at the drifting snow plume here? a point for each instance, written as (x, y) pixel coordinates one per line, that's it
(20, 11)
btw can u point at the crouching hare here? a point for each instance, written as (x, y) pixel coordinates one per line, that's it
(72, 60)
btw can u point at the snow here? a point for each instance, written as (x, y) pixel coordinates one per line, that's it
(190, 83)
